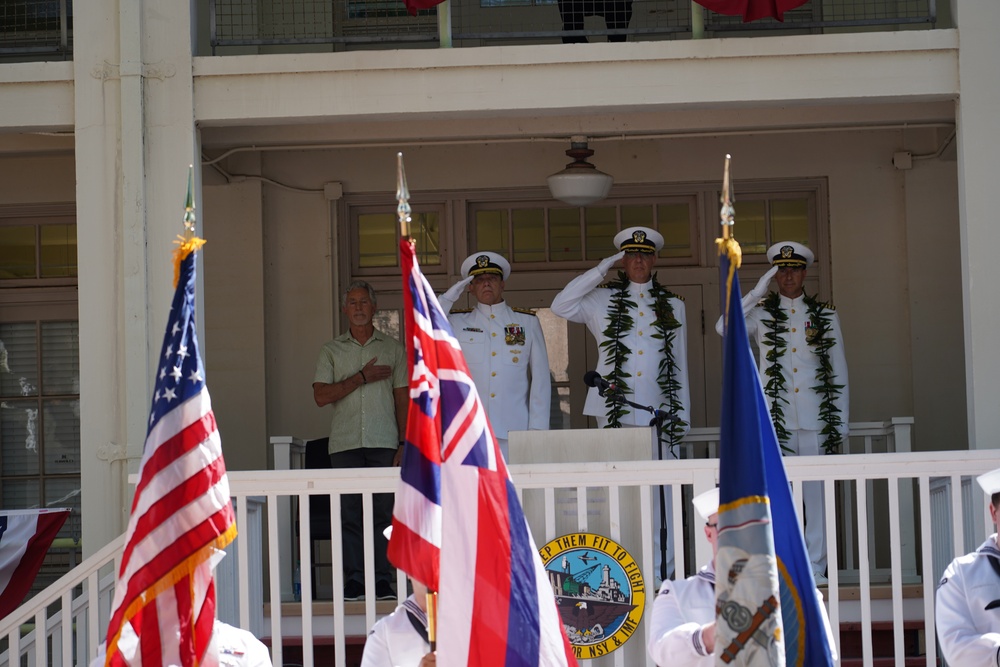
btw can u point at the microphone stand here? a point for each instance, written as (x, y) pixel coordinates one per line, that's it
(659, 417)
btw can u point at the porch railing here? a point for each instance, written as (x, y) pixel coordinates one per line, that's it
(74, 611)
(483, 22)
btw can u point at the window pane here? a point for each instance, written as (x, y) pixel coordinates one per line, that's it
(675, 225)
(65, 492)
(790, 220)
(19, 438)
(425, 229)
(18, 359)
(60, 358)
(491, 231)
(377, 245)
(62, 436)
(637, 216)
(600, 229)
(529, 234)
(17, 252)
(565, 243)
(21, 494)
(58, 251)
(751, 229)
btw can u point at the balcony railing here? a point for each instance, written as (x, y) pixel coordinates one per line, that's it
(483, 22)
(948, 517)
(36, 27)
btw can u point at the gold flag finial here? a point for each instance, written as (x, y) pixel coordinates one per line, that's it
(186, 242)
(403, 196)
(728, 245)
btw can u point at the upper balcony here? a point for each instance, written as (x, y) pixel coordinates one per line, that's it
(32, 30)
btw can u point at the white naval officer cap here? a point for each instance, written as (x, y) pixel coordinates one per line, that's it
(639, 239)
(479, 263)
(990, 482)
(707, 503)
(790, 253)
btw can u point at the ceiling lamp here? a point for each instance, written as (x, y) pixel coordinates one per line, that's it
(580, 183)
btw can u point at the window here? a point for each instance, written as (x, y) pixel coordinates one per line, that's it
(537, 234)
(377, 237)
(762, 220)
(40, 375)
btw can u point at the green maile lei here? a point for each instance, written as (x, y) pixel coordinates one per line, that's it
(666, 325)
(821, 343)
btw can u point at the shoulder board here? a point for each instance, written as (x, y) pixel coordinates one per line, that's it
(677, 296)
(526, 311)
(458, 311)
(828, 306)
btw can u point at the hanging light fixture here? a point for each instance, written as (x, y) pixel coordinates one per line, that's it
(580, 183)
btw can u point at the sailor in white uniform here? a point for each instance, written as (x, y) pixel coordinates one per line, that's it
(400, 639)
(794, 329)
(682, 630)
(638, 325)
(967, 608)
(503, 347)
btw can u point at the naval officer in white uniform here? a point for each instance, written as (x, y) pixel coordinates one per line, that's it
(638, 324)
(504, 348)
(967, 608)
(796, 331)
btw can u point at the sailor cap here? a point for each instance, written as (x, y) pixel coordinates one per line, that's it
(479, 263)
(639, 239)
(790, 253)
(707, 503)
(990, 481)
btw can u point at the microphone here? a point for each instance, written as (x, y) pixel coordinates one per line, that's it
(594, 379)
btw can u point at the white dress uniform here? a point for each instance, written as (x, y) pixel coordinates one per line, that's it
(583, 301)
(967, 608)
(799, 365)
(236, 648)
(680, 610)
(395, 641)
(505, 350)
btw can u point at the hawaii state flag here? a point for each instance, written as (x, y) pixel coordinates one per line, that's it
(762, 569)
(164, 606)
(25, 536)
(457, 524)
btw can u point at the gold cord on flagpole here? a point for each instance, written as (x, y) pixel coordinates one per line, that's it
(403, 210)
(187, 242)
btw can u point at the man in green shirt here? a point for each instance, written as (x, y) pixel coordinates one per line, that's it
(362, 375)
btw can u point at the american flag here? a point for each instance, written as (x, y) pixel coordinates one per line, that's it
(164, 604)
(457, 524)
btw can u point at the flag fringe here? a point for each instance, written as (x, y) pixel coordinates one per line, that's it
(184, 569)
(740, 502)
(185, 246)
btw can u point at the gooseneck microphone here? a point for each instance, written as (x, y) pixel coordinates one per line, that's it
(594, 379)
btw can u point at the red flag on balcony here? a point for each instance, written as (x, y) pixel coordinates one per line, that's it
(750, 10)
(25, 536)
(414, 6)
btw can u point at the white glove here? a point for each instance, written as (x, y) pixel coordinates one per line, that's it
(454, 292)
(608, 262)
(761, 288)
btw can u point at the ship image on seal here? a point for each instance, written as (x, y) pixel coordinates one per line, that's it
(598, 589)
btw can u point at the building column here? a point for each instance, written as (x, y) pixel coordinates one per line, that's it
(135, 137)
(978, 156)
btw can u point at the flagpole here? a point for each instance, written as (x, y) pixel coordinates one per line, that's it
(403, 212)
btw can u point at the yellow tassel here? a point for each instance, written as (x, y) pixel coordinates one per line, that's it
(731, 248)
(185, 246)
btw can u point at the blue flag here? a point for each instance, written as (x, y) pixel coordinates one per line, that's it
(757, 521)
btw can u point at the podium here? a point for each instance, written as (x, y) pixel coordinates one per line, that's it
(619, 521)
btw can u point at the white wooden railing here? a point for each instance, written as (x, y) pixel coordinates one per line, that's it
(74, 611)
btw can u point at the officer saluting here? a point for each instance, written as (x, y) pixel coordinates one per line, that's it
(503, 347)
(967, 609)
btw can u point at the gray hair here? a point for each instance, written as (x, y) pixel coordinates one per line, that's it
(358, 284)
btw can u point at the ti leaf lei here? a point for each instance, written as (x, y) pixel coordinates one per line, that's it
(820, 342)
(620, 324)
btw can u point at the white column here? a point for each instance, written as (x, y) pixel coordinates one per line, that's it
(978, 156)
(134, 139)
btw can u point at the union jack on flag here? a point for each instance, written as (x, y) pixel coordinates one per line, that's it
(458, 526)
(164, 605)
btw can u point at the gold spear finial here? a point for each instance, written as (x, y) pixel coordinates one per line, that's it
(403, 196)
(728, 213)
(727, 245)
(186, 242)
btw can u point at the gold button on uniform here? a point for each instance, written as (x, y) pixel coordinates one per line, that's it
(793, 349)
(640, 351)
(639, 374)
(494, 334)
(796, 390)
(795, 370)
(494, 395)
(493, 354)
(514, 360)
(642, 314)
(492, 316)
(493, 374)
(793, 312)
(793, 329)
(640, 333)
